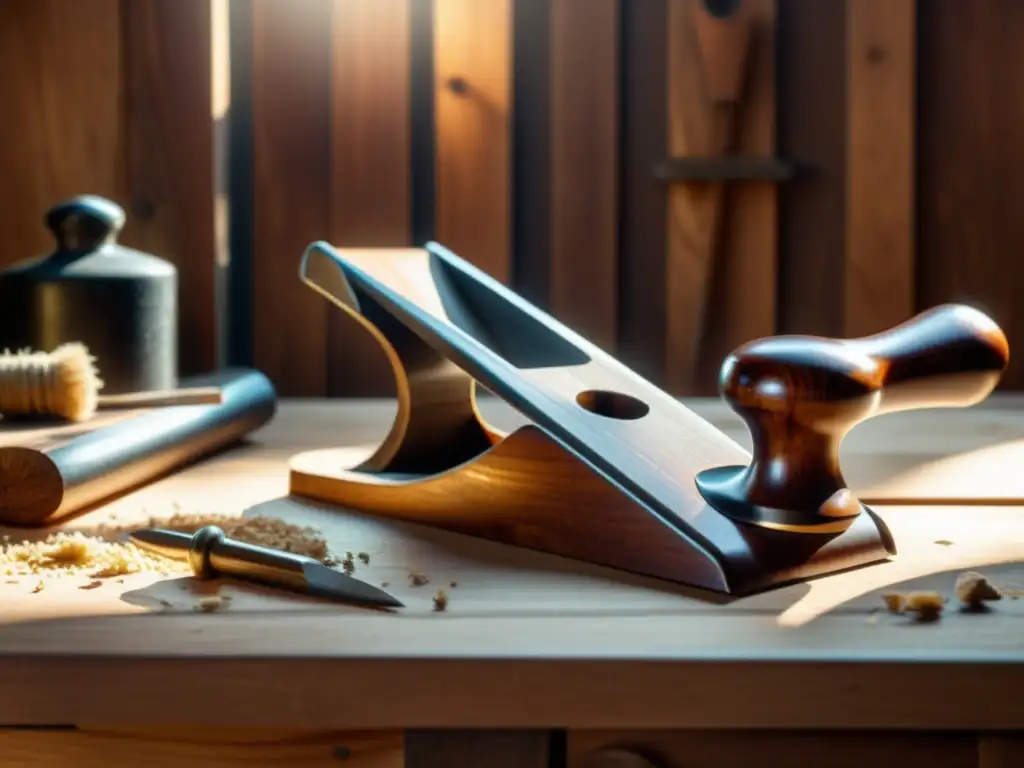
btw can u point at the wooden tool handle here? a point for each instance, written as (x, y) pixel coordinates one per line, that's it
(950, 356)
(163, 399)
(800, 395)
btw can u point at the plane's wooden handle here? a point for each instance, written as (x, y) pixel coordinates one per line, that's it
(800, 395)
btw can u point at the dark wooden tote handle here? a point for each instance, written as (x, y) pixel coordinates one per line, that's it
(800, 395)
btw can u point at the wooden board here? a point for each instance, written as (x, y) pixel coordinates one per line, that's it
(812, 107)
(62, 133)
(559, 643)
(170, 136)
(721, 242)
(171, 747)
(134, 125)
(971, 160)
(642, 227)
(472, 43)
(585, 167)
(775, 749)
(879, 274)
(291, 104)
(370, 167)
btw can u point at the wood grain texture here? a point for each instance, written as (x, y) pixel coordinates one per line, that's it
(585, 167)
(472, 45)
(738, 749)
(971, 161)
(62, 133)
(801, 395)
(812, 108)
(882, 83)
(1001, 751)
(642, 307)
(559, 644)
(494, 749)
(370, 166)
(171, 747)
(169, 140)
(721, 244)
(291, 103)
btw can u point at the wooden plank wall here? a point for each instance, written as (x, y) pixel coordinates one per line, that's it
(114, 97)
(524, 134)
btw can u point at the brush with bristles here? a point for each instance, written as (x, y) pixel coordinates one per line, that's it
(65, 383)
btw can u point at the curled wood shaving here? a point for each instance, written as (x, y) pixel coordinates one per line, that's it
(973, 589)
(440, 601)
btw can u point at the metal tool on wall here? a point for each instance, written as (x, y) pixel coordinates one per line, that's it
(711, 45)
(613, 470)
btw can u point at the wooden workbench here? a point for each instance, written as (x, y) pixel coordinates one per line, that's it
(129, 674)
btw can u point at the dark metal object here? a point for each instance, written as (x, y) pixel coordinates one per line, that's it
(39, 486)
(121, 303)
(726, 168)
(211, 553)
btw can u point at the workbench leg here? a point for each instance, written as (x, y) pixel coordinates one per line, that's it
(476, 749)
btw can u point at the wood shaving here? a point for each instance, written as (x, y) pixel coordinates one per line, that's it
(92, 584)
(210, 603)
(895, 602)
(104, 554)
(364, 558)
(418, 579)
(68, 554)
(348, 565)
(440, 600)
(927, 605)
(944, 543)
(453, 584)
(385, 583)
(973, 589)
(264, 531)
(38, 588)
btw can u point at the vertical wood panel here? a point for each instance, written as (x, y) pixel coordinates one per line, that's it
(370, 183)
(291, 105)
(170, 132)
(61, 132)
(772, 748)
(971, 155)
(745, 289)
(531, 148)
(879, 274)
(1001, 752)
(642, 255)
(472, 45)
(584, 166)
(721, 241)
(490, 748)
(812, 109)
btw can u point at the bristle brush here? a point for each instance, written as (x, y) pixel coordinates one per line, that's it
(65, 383)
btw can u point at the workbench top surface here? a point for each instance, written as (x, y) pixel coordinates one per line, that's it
(534, 640)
